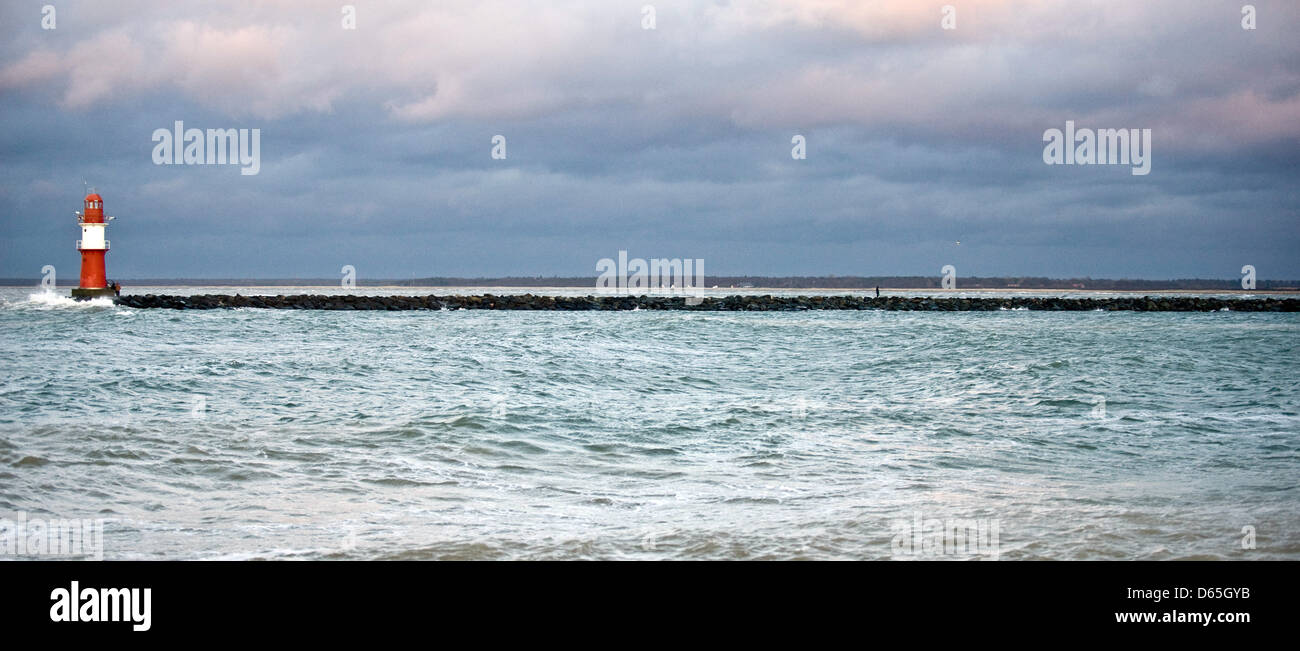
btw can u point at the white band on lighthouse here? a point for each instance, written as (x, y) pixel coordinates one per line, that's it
(92, 237)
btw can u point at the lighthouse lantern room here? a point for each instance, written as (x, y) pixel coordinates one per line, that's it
(93, 246)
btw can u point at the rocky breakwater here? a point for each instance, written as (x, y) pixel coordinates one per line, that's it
(764, 303)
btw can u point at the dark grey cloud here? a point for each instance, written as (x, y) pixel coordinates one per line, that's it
(671, 143)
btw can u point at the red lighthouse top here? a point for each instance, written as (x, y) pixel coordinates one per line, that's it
(94, 209)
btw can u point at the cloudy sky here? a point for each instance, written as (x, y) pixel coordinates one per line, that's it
(671, 142)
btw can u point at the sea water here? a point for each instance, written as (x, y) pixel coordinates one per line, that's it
(236, 434)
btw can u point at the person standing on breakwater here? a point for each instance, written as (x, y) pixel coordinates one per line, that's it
(877, 291)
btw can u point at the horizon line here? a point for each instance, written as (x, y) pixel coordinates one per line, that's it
(830, 281)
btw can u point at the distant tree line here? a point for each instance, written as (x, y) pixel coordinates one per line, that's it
(893, 282)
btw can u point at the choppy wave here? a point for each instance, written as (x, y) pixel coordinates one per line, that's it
(55, 300)
(446, 435)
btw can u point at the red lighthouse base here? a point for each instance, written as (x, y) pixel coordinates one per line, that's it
(82, 294)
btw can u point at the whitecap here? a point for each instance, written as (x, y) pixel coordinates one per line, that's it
(51, 300)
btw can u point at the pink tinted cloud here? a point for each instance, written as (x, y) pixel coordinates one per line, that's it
(1009, 65)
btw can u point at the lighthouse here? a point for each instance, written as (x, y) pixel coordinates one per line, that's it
(93, 246)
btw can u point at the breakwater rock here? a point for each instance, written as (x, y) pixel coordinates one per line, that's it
(723, 303)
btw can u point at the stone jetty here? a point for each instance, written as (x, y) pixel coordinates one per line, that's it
(735, 303)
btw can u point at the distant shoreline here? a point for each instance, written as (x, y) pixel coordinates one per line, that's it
(721, 290)
(745, 283)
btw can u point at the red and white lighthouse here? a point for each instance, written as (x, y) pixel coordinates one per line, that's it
(93, 247)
